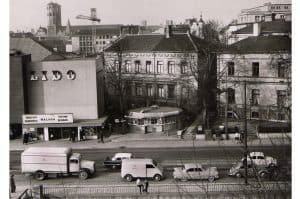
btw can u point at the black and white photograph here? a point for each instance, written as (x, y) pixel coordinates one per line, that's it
(161, 99)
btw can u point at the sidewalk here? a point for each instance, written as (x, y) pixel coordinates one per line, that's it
(139, 140)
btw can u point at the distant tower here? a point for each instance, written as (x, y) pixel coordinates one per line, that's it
(200, 27)
(144, 23)
(54, 18)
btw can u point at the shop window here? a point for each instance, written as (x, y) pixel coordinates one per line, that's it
(230, 67)
(255, 69)
(161, 91)
(71, 75)
(160, 67)
(33, 76)
(44, 76)
(254, 114)
(184, 67)
(231, 95)
(171, 91)
(137, 65)
(56, 75)
(171, 67)
(255, 97)
(139, 90)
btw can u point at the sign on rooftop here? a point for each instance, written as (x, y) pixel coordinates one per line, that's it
(48, 118)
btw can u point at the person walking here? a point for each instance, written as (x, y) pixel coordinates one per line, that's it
(12, 184)
(102, 136)
(146, 185)
(139, 184)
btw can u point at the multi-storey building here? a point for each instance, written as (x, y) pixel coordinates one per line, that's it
(154, 69)
(261, 67)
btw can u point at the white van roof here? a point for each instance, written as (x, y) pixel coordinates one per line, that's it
(47, 150)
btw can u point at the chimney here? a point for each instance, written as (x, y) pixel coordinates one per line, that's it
(256, 29)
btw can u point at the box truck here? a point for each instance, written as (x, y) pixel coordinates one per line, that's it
(41, 161)
(140, 168)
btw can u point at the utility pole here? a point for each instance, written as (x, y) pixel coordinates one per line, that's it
(245, 133)
(226, 108)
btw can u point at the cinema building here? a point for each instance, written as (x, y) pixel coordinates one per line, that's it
(63, 97)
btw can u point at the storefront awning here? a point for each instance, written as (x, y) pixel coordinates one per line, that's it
(76, 123)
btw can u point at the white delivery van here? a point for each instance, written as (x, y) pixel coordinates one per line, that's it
(140, 168)
(41, 161)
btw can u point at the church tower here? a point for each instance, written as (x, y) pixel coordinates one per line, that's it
(54, 18)
(68, 28)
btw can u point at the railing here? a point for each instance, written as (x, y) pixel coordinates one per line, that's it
(25, 194)
(193, 187)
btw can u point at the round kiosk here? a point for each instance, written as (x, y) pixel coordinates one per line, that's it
(155, 119)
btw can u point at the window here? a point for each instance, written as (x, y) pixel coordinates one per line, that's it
(137, 66)
(286, 7)
(160, 67)
(257, 18)
(254, 114)
(33, 76)
(150, 90)
(56, 75)
(149, 166)
(262, 18)
(281, 98)
(71, 75)
(153, 121)
(255, 69)
(116, 63)
(281, 116)
(149, 68)
(255, 96)
(281, 70)
(230, 66)
(161, 91)
(127, 88)
(127, 66)
(74, 161)
(140, 121)
(282, 17)
(231, 96)
(171, 91)
(44, 76)
(139, 90)
(171, 67)
(184, 67)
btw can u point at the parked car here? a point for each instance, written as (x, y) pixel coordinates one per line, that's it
(258, 158)
(238, 170)
(116, 161)
(195, 171)
(140, 168)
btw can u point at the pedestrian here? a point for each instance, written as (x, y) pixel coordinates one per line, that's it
(81, 134)
(73, 136)
(12, 184)
(242, 136)
(102, 136)
(146, 185)
(139, 184)
(24, 138)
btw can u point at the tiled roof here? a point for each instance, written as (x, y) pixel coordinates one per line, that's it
(261, 44)
(100, 29)
(268, 27)
(154, 42)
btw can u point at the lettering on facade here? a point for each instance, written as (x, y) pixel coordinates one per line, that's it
(51, 118)
(56, 75)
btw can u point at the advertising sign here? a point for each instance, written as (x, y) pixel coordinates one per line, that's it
(49, 118)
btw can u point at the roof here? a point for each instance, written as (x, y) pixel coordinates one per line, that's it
(268, 27)
(154, 42)
(47, 150)
(261, 44)
(192, 165)
(100, 29)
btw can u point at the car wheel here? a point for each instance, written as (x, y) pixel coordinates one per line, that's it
(238, 175)
(157, 177)
(39, 175)
(211, 178)
(83, 175)
(263, 174)
(128, 177)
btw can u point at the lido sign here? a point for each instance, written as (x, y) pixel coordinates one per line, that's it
(49, 118)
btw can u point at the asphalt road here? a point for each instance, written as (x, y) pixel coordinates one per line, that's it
(232, 153)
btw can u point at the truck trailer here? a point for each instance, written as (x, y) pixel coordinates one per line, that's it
(41, 161)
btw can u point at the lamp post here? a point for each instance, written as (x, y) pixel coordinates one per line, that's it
(245, 134)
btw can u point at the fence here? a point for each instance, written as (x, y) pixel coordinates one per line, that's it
(193, 187)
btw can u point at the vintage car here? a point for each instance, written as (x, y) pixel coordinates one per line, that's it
(238, 170)
(116, 161)
(195, 171)
(258, 158)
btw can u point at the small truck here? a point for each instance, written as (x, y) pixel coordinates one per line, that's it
(116, 161)
(43, 161)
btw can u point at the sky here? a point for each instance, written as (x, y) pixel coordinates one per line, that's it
(27, 14)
